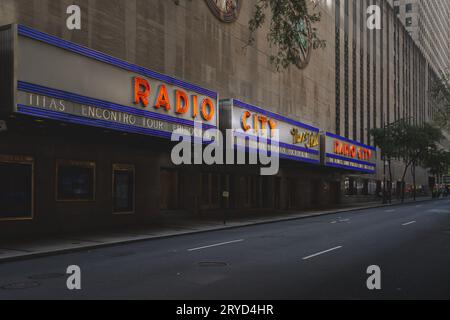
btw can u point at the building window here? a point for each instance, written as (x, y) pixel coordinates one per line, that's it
(408, 22)
(123, 189)
(16, 188)
(408, 7)
(75, 181)
(397, 9)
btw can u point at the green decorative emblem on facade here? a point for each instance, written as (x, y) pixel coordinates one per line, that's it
(225, 10)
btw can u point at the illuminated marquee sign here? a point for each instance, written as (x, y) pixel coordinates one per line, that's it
(350, 155)
(63, 81)
(254, 129)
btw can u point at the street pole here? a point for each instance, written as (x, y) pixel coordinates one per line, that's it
(384, 167)
(384, 181)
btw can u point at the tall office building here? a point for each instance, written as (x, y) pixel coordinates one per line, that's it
(427, 22)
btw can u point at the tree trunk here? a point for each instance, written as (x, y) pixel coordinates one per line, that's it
(390, 181)
(403, 181)
(414, 180)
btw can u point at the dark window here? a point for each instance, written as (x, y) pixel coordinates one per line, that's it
(396, 9)
(16, 190)
(123, 189)
(408, 21)
(409, 7)
(75, 181)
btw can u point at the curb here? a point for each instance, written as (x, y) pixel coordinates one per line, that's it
(36, 255)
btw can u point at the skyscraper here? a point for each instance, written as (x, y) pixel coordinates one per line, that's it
(429, 26)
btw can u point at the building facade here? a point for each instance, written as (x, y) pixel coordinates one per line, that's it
(89, 112)
(429, 26)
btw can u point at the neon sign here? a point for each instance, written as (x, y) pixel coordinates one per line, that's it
(182, 103)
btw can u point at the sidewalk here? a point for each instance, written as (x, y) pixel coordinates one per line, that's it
(170, 227)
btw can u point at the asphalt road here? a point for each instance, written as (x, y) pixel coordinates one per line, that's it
(324, 257)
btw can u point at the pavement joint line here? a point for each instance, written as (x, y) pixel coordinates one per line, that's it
(321, 253)
(46, 253)
(216, 245)
(408, 223)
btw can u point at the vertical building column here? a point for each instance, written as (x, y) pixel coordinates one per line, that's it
(338, 64)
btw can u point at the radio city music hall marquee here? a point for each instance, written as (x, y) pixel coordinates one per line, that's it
(350, 155)
(254, 129)
(75, 84)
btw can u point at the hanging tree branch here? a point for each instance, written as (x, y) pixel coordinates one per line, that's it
(291, 31)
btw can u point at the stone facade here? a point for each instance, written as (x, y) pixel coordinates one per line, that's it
(361, 80)
(429, 26)
(186, 41)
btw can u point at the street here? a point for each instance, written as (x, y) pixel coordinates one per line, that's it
(323, 257)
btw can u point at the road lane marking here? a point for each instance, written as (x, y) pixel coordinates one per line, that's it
(340, 221)
(321, 253)
(391, 210)
(419, 206)
(438, 211)
(216, 245)
(408, 223)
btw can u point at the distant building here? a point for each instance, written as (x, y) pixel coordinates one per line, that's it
(429, 25)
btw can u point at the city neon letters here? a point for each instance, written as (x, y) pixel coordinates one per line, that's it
(260, 122)
(351, 151)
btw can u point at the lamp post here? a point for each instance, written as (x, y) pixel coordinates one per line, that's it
(384, 181)
(384, 167)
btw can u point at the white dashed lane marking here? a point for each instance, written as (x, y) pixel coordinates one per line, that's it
(216, 245)
(321, 253)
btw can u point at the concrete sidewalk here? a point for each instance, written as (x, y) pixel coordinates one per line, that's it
(171, 227)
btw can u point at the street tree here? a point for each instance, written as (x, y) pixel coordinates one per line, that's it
(409, 142)
(292, 33)
(414, 143)
(385, 139)
(440, 97)
(437, 161)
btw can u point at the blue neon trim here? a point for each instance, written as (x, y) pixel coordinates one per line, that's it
(288, 157)
(60, 116)
(93, 54)
(329, 155)
(329, 164)
(281, 144)
(278, 117)
(63, 95)
(331, 135)
(248, 149)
